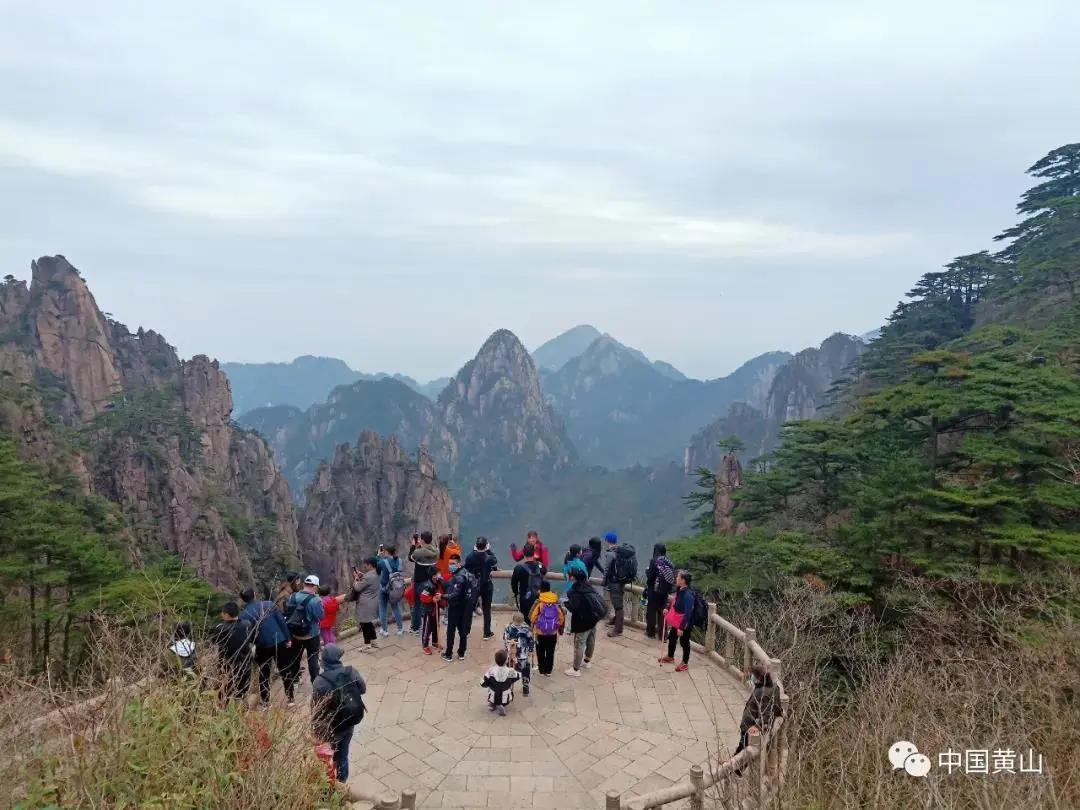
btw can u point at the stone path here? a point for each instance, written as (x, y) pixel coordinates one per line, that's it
(628, 724)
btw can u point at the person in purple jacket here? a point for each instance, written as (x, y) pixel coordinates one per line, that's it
(678, 619)
(272, 640)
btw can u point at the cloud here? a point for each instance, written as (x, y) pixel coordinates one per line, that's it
(265, 180)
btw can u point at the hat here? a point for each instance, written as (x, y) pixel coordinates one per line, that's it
(311, 579)
(331, 654)
(611, 537)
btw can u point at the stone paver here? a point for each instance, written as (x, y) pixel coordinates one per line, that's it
(628, 724)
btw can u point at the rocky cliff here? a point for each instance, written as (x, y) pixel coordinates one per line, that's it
(370, 493)
(799, 390)
(142, 428)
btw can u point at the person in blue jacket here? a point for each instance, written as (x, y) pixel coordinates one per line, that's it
(388, 563)
(272, 640)
(683, 606)
(573, 562)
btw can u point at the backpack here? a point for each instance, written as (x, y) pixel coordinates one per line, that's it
(700, 617)
(625, 564)
(298, 621)
(345, 703)
(536, 576)
(470, 590)
(595, 606)
(395, 589)
(665, 571)
(547, 622)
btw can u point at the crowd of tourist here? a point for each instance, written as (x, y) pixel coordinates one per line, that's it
(448, 590)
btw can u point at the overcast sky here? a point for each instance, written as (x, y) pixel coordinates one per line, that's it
(391, 182)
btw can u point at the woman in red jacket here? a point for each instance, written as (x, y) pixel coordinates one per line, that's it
(541, 551)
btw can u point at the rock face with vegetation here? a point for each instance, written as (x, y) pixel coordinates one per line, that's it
(370, 493)
(800, 389)
(140, 428)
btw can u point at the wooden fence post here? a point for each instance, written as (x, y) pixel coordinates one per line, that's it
(613, 801)
(697, 781)
(710, 629)
(748, 656)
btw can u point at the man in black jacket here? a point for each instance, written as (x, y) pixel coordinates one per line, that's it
(423, 555)
(586, 608)
(461, 595)
(526, 579)
(480, 562)
(234, 637)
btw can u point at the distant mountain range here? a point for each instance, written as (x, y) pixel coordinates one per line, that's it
(304, 381)
(572, 343)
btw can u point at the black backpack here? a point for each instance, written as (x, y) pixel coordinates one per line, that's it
(536, 576)
(700, 615)
(470, 588)
(595, 606)
(345, 703)
(298, 621)
(625, 564)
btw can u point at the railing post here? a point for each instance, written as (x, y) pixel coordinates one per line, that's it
(389, 801)
(635, 604)
(762, 765)
(613, 802)
(697, 782)
(408, 800)
(775, 668)
(729, 648)
(747, 654)
(710, 629)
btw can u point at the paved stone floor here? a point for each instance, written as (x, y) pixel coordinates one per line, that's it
(628, 724)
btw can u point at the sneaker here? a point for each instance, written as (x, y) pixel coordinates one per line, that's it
(382, 632)
(525, 691)
(588, 665)
(614, 634)
(400, 632)
(292, 703)
(682, 667)
(428, 651)
(461, 656)
(650, 635)
(667, 659)
(546, 674)
(488, 636)
(492, 707)
(502, 711)
(448, 658)
(573, 673)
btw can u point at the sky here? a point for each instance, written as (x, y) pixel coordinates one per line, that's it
(389, 183)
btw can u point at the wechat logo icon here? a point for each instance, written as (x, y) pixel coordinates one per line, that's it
(905, 756)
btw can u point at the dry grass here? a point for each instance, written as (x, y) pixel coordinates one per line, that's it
(980, 671)
(168, 744)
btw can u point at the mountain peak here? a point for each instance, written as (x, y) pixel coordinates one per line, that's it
(557, 352)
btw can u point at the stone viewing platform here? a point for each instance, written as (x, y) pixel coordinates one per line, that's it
(629, 730)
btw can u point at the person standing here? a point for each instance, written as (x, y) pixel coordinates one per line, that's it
(448, 546)
(542, 552)
(337, 706)
(290, 584)
(587, 609)
(234, 637)
(366, 593)
(573, 562)
(547, 620)
(391, 583)
(519, 642)
(481, 562)
(525, 581)
(659, 581)
(272, 640)
(303, 612)
(424, 556)
(428, 602)
(679, 619)
(619, 565)
(328, 623)
(591, 556)
(461, 595)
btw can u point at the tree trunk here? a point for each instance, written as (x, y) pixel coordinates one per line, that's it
(33, 622)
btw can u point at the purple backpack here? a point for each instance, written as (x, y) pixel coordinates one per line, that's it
(547, 623)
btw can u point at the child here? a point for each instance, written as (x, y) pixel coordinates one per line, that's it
(548, 619)
(519, 643)
(430, 599)
(499, 681)
(328, 623)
